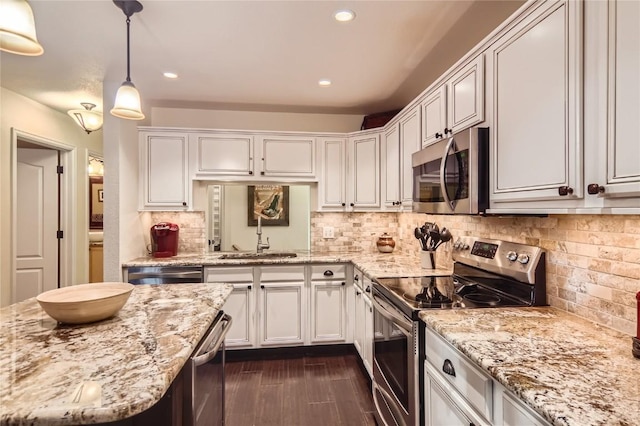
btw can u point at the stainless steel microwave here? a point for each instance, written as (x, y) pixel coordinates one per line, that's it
(452, 176)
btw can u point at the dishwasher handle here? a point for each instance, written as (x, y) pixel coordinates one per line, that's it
(212, 342)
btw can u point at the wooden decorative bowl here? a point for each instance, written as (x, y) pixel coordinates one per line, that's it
(85, 303)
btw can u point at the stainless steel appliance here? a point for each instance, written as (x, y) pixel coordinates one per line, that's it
(451, 176)
(163, 274)
(487, 273)
(204, 377)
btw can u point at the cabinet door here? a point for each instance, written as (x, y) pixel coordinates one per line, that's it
(440, 410)
(364, 172)
(288, 156)
(536, 138)
(409, 143)
(328, 311)
(333, 166)
(165, 170)
(240, 305)
(367, 340)
(358, 313)
(465, 100)
(223, 154)
(434, 116)
(391, 167)
(516, 414)
(282, 313)
(623, 146)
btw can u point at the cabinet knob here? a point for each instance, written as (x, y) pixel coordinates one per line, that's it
(344, 283)
(438, 135)
(262, 287)
(368, 289)
(447, 367)
(262, 173)
(248, 287)
(184, 203)
(565, 190)
(595, 189)
(328, 273)
(250, 172)
(356, 278)
(344, 204)
(358, 293)
(352, 204)
(447, 131)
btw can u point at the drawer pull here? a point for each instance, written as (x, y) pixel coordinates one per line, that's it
(447, 367)
(328, 273)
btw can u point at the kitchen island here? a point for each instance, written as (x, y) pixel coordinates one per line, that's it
(567, 369)
(57, 374)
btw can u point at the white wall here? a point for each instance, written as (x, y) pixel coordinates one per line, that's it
(236, 231)
(254, 120)
(26, 115)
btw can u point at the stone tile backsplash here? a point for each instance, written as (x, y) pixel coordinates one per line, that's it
(593, 261)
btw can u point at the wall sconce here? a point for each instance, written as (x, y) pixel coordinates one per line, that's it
(127, 104)
(89, 120)
(18, 28)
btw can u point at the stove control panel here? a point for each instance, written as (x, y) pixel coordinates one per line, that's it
(483, 249)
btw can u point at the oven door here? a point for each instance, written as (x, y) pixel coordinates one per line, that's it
(395, 380)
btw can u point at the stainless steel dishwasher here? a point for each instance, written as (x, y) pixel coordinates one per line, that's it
(163, 274)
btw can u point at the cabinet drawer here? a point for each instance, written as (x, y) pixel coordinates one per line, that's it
(282, 273)
(228, 275)
(472, 384)
(328, 272)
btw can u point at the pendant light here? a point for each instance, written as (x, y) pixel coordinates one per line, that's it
(89, 120)
(127, 104)
(18, 28)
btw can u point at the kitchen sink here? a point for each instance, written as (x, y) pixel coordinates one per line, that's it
(253, 255)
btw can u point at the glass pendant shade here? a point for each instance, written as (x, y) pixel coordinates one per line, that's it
(127, 104)
(89, 120)
(18, 28)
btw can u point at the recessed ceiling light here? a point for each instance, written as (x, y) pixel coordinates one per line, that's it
(170, 74)
(344, 15)
(324, 82)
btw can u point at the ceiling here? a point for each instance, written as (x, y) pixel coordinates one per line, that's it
(252, 55)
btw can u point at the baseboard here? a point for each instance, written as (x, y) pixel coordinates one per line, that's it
(290, 352)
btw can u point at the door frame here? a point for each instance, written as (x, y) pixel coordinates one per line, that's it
(67, 200)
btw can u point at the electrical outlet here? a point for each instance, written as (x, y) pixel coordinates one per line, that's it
(327, 232)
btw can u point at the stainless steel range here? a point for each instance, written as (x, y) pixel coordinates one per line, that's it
(486, 274)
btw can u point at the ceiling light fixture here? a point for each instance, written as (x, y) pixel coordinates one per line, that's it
(171, 75)
(325, 82)
(127, 104)
(344, 15)
(18, 28)
(89, 120)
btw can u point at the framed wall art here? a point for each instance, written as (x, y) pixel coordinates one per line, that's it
(96, 202)
(270, 202)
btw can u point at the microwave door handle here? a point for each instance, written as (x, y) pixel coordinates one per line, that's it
(443, 167)
(203, 358)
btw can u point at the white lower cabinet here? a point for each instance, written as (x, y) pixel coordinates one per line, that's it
(281, 313)
(328, 304)
(457, 392)
(363, 320)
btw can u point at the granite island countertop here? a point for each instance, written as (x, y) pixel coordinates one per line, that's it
(129, 361)
(374, 265)
(569, 370)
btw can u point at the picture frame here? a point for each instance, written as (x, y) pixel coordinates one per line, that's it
(270, 202)
(96, 202)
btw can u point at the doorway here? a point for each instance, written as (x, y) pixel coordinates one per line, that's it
(41, 225)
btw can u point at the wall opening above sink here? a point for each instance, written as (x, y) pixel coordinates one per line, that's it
(226, 209)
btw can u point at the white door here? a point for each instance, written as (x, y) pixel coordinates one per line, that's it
(409, 143)
(434, 116)
(240, 306)
(331, 186)
(328, 311)
(37, 223)
(282, 313)
(391, 167)
(364, 178)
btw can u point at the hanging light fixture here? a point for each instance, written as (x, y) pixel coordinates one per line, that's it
(89, 120)
(18, 28)
(127, 104)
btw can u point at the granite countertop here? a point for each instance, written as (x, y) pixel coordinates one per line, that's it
(569, 370)
(128, 361)
(374, 265)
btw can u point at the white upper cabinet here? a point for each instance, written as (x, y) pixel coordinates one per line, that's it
(455, 105)
(222, 154)
(536, 136)
(164, 171)
(399, 142)
(287, 156)
(332, 163)
(363, 172)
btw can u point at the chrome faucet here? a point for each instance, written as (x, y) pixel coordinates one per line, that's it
(261, 246)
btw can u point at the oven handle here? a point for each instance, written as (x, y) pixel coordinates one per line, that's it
(394, 410)
(443, 166)
(391, 313)
(211, 347)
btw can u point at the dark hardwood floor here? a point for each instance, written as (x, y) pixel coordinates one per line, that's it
(300, 391)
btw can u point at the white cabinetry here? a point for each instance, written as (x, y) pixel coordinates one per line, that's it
(240, 305)
(399, 141)
(332, 187)
(287, 156)
(164, 170)
(328, 304)
(455, 105)
(536, 138)
(222, 154)
(363, 320)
